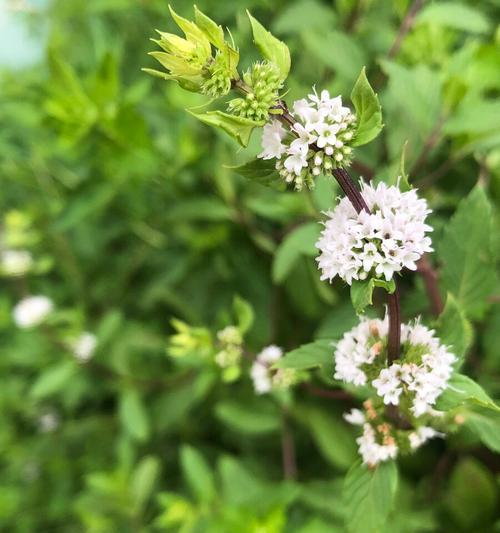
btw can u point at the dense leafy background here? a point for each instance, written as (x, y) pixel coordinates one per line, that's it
(138, 218)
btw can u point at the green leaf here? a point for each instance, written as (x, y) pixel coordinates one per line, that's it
(332, 436)
(472, 495)
(198, 474)
(485, 424)
(312, 355)
(463, 391)
(53, 380)
(368, 111)
(143, 480)
(251, 418)
(244, 314)
(466, 252)
(404, 184)
(262, 171)
(238, 128)
(455, 15)
(362, 294)
(271, 48)
(369, 496)
(454, 329)
(133, 415)
(301, 241)
(214, 32)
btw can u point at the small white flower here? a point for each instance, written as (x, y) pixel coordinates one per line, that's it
(260, 372)
(15, 262)
(355, 417)
(272, 136)
(391, 237)
(422, 435)
(388, 384)
(85, 346)
(32, 311)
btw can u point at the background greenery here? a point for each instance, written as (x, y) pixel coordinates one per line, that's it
(135, 217)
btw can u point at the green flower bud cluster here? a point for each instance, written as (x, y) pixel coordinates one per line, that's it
(263, 83)
(230, 352)
(219, 77)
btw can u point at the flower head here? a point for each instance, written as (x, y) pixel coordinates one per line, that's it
(391, 237)
(32, 311)
(318, 141)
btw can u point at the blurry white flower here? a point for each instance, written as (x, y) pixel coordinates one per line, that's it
(15, 262)
(422, 435)
(354, 245)
(32, 311)
(388, 384)
(318, 140)
(355, 417)
(48, 422)
(84, 346)
(261, 373)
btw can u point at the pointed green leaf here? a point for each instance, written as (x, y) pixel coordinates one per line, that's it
(213, 31)
(369, 496)
(271, 48)
(368, 111)
(198, 474)
(238, 128)
(262, 171)
(454, 329)
(466, 252)
(463, 391)
(311, 355)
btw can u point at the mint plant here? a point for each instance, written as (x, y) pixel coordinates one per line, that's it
(404, 375)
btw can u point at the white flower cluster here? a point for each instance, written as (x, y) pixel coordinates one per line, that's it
(317, 142)
(391, 237)
(378, 441)
(32, 311)
(421, 374)
(424, 379)
(266, 378)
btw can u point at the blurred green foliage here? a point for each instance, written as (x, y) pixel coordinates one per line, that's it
(134, 217)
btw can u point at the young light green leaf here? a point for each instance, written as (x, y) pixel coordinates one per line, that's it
(133, 415)
(271, 48)
(198, 474)
(54, 379)
(311, 355)
(369, 496)
(468, 260)
(362, 292)
(297, 243)
(143, 480)
(404, 184)
(368, 111)
(244, 314)
(455, 15)
(214, 32)
(454, 329)
(238, 128)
